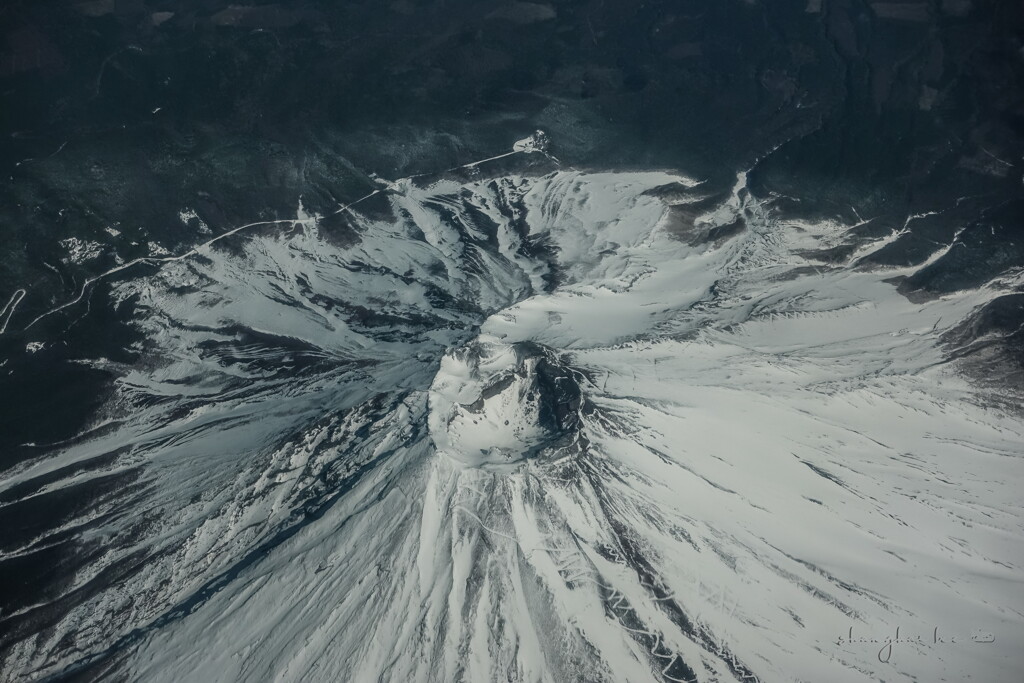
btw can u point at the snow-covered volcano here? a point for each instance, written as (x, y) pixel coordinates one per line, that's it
(538, 428)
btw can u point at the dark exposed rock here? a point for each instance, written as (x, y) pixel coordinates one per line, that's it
(990, 343)
(985, 249)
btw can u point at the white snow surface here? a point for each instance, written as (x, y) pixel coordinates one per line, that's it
(346, 475)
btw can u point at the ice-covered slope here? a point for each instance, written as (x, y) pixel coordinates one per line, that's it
(517, 429)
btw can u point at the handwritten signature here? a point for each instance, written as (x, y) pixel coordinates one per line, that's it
(934, 638)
